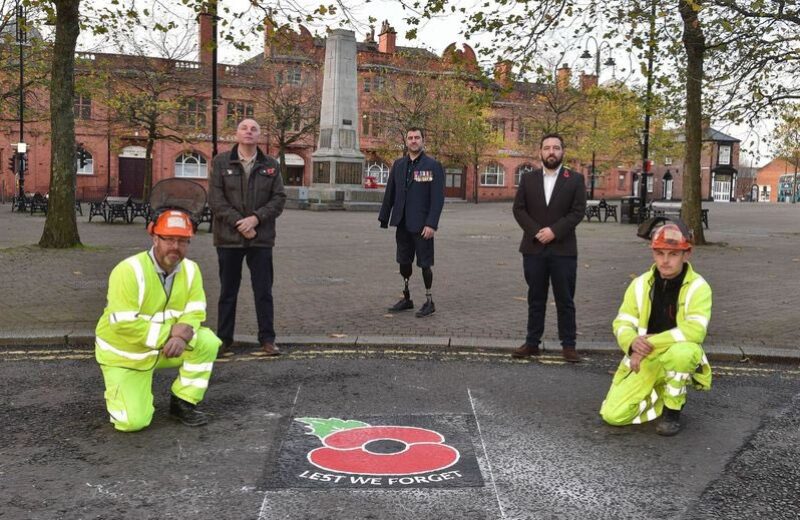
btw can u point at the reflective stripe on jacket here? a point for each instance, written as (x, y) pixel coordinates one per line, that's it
(138, 317)
(693, 316)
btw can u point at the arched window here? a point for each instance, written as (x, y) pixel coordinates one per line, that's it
(380, 171)
(522, 168)
(88, 164)
(493, 175)
(191, 165)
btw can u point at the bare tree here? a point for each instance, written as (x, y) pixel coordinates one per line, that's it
(289, 107)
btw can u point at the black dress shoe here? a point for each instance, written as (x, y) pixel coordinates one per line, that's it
(403, 305)
(525, 350)
(426, 310)
(670, 423)
(186, 412)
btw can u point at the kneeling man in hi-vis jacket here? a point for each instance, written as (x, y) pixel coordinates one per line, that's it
(660, 327)
(156, 305)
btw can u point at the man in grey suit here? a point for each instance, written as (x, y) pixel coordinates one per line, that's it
(548, 206)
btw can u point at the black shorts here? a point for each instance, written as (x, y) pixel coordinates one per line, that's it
(410, 244)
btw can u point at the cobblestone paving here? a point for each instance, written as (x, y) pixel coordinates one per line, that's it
(335, 274)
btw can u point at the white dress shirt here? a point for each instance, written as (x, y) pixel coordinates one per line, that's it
(550, 177)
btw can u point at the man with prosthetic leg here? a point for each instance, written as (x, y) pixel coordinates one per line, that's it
(413, 202)
(152, 320)
(660, 327)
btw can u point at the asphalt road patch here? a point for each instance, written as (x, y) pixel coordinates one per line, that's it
(390, 452)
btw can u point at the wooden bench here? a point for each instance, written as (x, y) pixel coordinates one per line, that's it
(38, 202)
(21, 204)
(593, 210)
(140, 208)
(97, 207)
(207, 216)
(610, 211)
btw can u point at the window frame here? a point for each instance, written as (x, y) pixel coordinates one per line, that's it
(500, 175)
(82, 107)
(202, 164)
(194, 117)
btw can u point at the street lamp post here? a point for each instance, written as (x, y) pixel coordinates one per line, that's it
(21, 38)
(608, 63)
(214, 85)
(646, 130)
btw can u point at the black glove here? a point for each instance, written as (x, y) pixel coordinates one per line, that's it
(384, 224)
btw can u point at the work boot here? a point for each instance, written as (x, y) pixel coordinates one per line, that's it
(525, 350)
(225, 348)
(186, 412)
(269, 349)
(570, 355)
(403, 305)
(426, 310)
(670, 423)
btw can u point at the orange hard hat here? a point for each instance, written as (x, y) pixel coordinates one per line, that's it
(172, 223)
(670, 236)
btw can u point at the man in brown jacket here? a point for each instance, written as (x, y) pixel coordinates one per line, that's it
(246, 196)
(548, 206)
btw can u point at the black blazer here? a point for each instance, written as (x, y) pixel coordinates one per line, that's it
(565, 212)
(421, 202)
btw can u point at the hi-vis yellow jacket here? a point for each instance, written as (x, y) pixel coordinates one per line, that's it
(694, 314)
(138, 317)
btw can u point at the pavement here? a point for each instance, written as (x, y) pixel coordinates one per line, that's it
(529, 440)
(335, 276)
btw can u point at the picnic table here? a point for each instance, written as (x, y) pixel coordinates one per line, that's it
(111, 208)
(594, 208)
(117, 207)
(673, 209)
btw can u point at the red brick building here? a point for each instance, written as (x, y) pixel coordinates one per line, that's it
(776, 181)
(293, 60)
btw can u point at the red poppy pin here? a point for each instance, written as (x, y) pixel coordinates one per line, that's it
(566, 174)
(270, 171)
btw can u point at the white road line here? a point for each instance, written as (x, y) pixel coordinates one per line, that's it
(485, 453)
(280, 447)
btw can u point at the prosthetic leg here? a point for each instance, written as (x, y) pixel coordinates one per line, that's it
(406, 303)
(428, 307)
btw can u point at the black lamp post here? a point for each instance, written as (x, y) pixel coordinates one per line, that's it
(214, 86)
(608, 63)
(646, 130)
(21, 39)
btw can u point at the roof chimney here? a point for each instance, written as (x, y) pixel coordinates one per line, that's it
(269, 35)
(563, 77)
(503, 72)
(387, 39)
(206, 37)
(588, 82)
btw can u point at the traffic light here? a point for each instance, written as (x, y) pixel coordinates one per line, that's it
(82, 155)
(23, 162)
(12, 163)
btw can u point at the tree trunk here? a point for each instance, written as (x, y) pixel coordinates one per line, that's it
(477, 178)
(148, 169)
(60, 227)
(694, 43)
(282, 161)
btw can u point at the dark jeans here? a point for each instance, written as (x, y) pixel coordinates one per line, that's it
(259, 261)
(540, 270)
